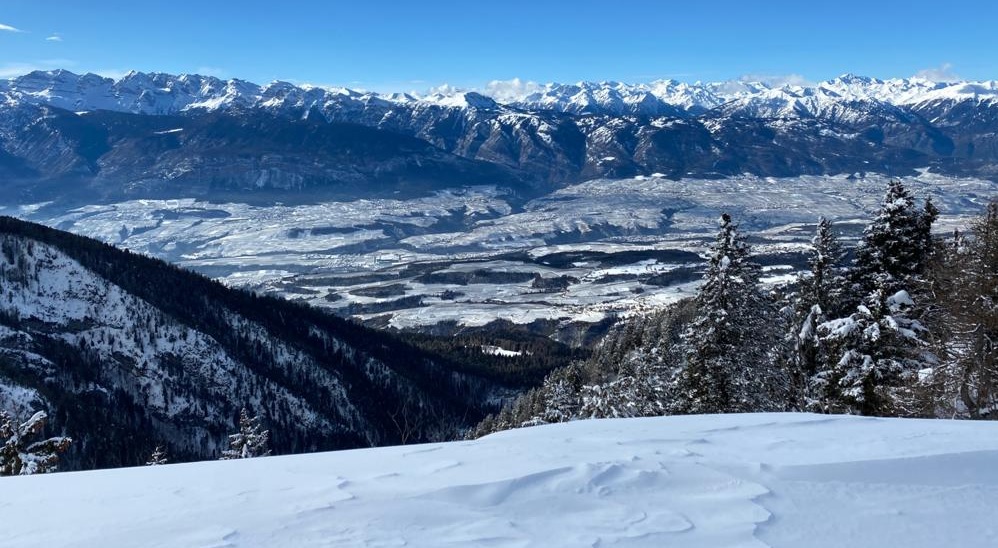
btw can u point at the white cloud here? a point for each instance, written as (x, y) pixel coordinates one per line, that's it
(511, 90)
(9, 28)
(54, 38)
(444, 89)
(942, 73)
(504, 91)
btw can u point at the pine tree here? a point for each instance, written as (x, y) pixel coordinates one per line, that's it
(19, 455)
(895, 246)
(158, 457)
(818, 297)
(251, 440)
(728, 364)
(824, 284)
(874, 355)
(561, 394)
(868, 359)
(965, 280)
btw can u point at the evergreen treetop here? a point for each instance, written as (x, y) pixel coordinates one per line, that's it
(727, 344)
(895, 244)
(158, 457)
(250, 441)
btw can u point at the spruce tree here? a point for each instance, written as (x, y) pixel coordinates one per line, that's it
(158, 457)
(895, 246)
(21, 456)
(250, 441)
(869, 355)
(965, 281)
(561, 394)
(818, 297)
(728, 365)
(824, 284)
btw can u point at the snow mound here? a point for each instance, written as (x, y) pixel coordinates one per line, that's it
(721, 480)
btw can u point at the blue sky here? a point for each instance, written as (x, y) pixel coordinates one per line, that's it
(388, 45)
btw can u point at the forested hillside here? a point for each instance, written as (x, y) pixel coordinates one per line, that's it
(127, 353)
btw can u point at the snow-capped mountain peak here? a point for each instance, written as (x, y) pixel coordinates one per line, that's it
(456, 99)
(160, 93)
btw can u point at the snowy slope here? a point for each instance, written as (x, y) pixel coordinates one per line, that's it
(781, 480)
(124, 352)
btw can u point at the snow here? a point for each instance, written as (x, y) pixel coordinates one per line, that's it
(18, 401)
(756, 480)
(82, 307)
(272, 249)
(158, 93)
(500, 351)
(899, 300)
(840, 327)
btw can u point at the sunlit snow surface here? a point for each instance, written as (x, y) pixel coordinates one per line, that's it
(781, 480)
(292, 249)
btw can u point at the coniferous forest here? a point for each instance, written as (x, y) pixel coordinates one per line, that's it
(903, 325)
(130, 356)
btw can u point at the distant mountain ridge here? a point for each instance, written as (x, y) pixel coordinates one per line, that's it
(161, 93)
(161, 135)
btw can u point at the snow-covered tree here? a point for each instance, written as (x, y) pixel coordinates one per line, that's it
(869, 355)
(158, 457)
(639, 390)
(818, 296)
(824, 282)
(21, 456)
(728, 363)
(561, 394)
(873, 356)
(803, 345)
(895, 247)
(614, 399)
(964, 279)
(250, 441)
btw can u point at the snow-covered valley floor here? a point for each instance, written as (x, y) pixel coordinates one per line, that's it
(729, 480)
(395, 259)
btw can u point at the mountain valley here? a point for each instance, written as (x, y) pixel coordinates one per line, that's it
(488, 240)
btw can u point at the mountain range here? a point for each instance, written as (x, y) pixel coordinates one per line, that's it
(156, 135)
(161, 93)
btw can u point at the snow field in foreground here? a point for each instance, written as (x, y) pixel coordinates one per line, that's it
(720, 480)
